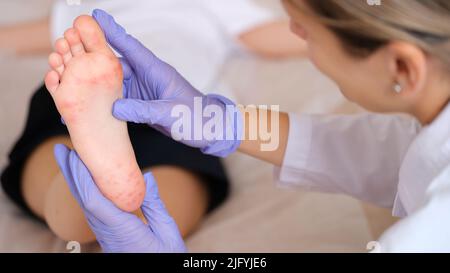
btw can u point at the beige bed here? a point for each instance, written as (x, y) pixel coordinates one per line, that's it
(258, 216)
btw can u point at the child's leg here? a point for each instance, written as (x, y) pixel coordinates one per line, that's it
(85, 82)
(39, 172)
(274, 40)
(26, 38)
(49, 197)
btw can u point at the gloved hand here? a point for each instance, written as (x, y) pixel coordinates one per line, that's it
(116, 230)
(153, 88)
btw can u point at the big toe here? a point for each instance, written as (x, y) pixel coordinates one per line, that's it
(92, 35)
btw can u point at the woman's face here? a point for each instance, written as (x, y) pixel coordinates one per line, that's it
(368, 81)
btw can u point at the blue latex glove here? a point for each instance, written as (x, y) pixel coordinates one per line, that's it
(116, 230)
(153, 88)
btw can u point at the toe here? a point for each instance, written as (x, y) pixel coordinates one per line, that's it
(73, 38)
(56, 62)
(52, 81)
(63, 48)
(92, 35)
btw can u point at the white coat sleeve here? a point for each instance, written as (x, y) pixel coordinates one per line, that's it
(428, 228)
(358, 155)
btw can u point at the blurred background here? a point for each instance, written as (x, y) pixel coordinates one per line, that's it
(258, 216)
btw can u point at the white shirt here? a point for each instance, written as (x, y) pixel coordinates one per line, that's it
(387, 160)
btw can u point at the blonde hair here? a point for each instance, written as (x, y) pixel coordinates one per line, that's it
(363, 28)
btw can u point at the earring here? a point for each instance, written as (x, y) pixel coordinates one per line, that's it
(398, 88)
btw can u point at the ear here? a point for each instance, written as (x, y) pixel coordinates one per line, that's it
(409, 67)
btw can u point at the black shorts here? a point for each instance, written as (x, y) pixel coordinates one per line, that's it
(151, 148)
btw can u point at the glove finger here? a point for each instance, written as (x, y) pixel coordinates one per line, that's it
(127, 71)
(128, 46)
(155, 112)
(62, 155)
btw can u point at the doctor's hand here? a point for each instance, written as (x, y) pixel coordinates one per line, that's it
(153, 89)
(116, 230)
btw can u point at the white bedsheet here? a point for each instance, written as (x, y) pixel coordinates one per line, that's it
(257, 217)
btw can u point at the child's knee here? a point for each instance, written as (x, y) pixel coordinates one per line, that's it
(63, 214)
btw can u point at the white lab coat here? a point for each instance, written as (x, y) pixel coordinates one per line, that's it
(387, 160)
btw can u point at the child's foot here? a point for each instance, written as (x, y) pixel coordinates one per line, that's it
(85, 80)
